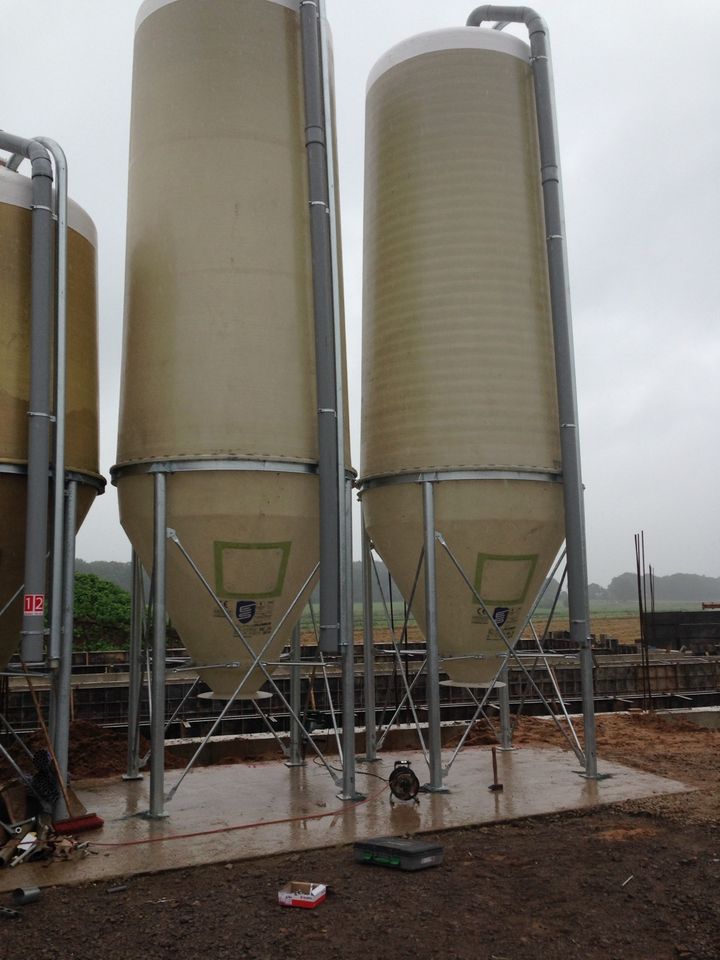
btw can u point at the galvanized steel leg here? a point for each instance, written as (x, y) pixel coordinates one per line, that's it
(256, 662)
(368, 652)
(431, 639)
(296, 758)
(510, 649)
(64, 674)
(157, 727)
(504, 702)
(349, 791)
(135, 667)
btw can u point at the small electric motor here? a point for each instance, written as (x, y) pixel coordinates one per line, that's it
(404, 785)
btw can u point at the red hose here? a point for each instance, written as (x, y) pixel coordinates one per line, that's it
(243, 826)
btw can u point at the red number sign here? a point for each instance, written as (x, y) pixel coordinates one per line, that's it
(34, 604)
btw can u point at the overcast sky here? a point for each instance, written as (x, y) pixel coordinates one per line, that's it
(638, 94)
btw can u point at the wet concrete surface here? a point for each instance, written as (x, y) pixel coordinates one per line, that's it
(231, 812)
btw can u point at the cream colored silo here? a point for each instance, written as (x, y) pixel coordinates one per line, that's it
(458, 364)
(218, 379)
(81, 455)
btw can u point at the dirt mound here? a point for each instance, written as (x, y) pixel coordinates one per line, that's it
(93, 752)
(659, 743)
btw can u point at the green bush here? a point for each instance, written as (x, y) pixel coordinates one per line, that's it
(102, 614)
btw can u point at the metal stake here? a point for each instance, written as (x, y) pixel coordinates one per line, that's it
(157, 726)
(433, 664)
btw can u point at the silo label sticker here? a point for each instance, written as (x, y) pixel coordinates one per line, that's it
(245, 610)
(500, 615)
(34, 604)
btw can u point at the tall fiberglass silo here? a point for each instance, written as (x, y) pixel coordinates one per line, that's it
(81, 421)
(458, 367)
(218, 382)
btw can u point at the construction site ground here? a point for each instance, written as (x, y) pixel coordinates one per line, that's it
(632, 880)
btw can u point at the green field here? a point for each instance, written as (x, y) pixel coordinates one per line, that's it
(598, 610)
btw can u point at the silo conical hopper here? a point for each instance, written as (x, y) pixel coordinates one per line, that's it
(218, 382)
(81, 455)
(458, 365)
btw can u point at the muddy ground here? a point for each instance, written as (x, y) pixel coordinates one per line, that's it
(636, 881)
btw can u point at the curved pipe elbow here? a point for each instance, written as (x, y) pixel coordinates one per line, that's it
(32, 149)
(531, 18)
(39, 157)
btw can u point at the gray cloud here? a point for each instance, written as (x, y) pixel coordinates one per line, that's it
(638, 101)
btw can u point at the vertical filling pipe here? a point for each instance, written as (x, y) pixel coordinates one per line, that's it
(58, 554)
(342, 416)
(564, 351)
(331, 468)
(39, 403)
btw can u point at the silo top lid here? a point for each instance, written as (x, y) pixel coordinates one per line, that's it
(451, 38)
(16, 189)
(150, 6)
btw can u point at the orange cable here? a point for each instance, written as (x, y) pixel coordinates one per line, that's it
(242, 826)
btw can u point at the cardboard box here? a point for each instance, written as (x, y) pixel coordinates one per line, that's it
(301, 894)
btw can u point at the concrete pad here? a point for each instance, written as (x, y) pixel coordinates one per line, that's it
(226, 813)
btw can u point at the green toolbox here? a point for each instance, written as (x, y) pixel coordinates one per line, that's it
(398, 852)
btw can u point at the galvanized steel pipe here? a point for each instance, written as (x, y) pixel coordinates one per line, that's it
(564, 352)
(432, 669)
(63, 685)
(330, 466)
(39, 407)
(58, 554)
(157, 725)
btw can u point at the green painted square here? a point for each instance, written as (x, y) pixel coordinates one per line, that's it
(483, 567)
(228, 554)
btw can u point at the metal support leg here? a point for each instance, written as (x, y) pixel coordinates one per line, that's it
(296, 758)
(157, 727)
(349, 791)
(504, 701)
(135, 665)
(368, 652)
(433, 665)
(64, 675)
